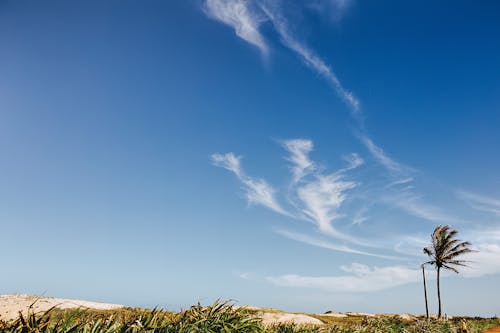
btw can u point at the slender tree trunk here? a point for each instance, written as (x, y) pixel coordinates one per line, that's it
(439, 292)
(425, 294)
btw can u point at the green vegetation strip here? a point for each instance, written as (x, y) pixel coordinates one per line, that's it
(221, 317)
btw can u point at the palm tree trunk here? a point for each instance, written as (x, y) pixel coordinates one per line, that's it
(439, 292)
(425, 294)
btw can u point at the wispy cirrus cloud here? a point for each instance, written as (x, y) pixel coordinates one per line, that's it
(257, 191)
(247, 275)
(245, 17)
(401, 181)
(381, 156)
(353, 161)
(299, 150)
(300, 237)
(321, 200)
(361, 215)
(310, 58)
(317, 198)
(480, 202)
(414, 205)
(403, 194)
(332, 9)
(242, 17)
(325, 244)
(321, 196)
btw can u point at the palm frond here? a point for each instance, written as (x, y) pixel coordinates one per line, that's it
(428, 251)
(451, 268)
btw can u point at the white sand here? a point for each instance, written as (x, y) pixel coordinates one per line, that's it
(11, 304)
(334, 314)
(269, 318)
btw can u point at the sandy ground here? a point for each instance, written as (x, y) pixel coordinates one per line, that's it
(11, 304)
(334, 314)
(289, 318)
(273, 317)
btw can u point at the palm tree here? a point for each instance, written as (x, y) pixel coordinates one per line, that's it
(444, 251)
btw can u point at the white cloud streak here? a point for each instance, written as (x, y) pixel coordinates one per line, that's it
(243, 17)
(411, 245)
(311, 59)
(403, 181)
(229, 162)
(380, 155)
(481, 202)
(314, 241)
(353, 161)
(318, 199)
(246, 275)
(319, 242)
(299, 150)
(360, 217)
(413, 205)
(333, 9)
(321, 200)
(257, 191)
(239, 15)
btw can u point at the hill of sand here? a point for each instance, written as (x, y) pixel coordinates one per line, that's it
(11, 304)
(273, 318)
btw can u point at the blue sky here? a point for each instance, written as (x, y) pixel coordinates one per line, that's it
(289, 154)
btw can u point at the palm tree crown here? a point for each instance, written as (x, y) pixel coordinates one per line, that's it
(446, 248)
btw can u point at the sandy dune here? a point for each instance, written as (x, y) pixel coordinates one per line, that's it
(288, 318)
(11, 304)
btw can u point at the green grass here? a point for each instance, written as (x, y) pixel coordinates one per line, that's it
(220, 317)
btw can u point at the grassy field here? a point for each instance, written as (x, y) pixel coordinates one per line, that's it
(220, 317)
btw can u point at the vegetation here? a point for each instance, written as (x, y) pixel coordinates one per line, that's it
(444, 253)
(220, 317)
